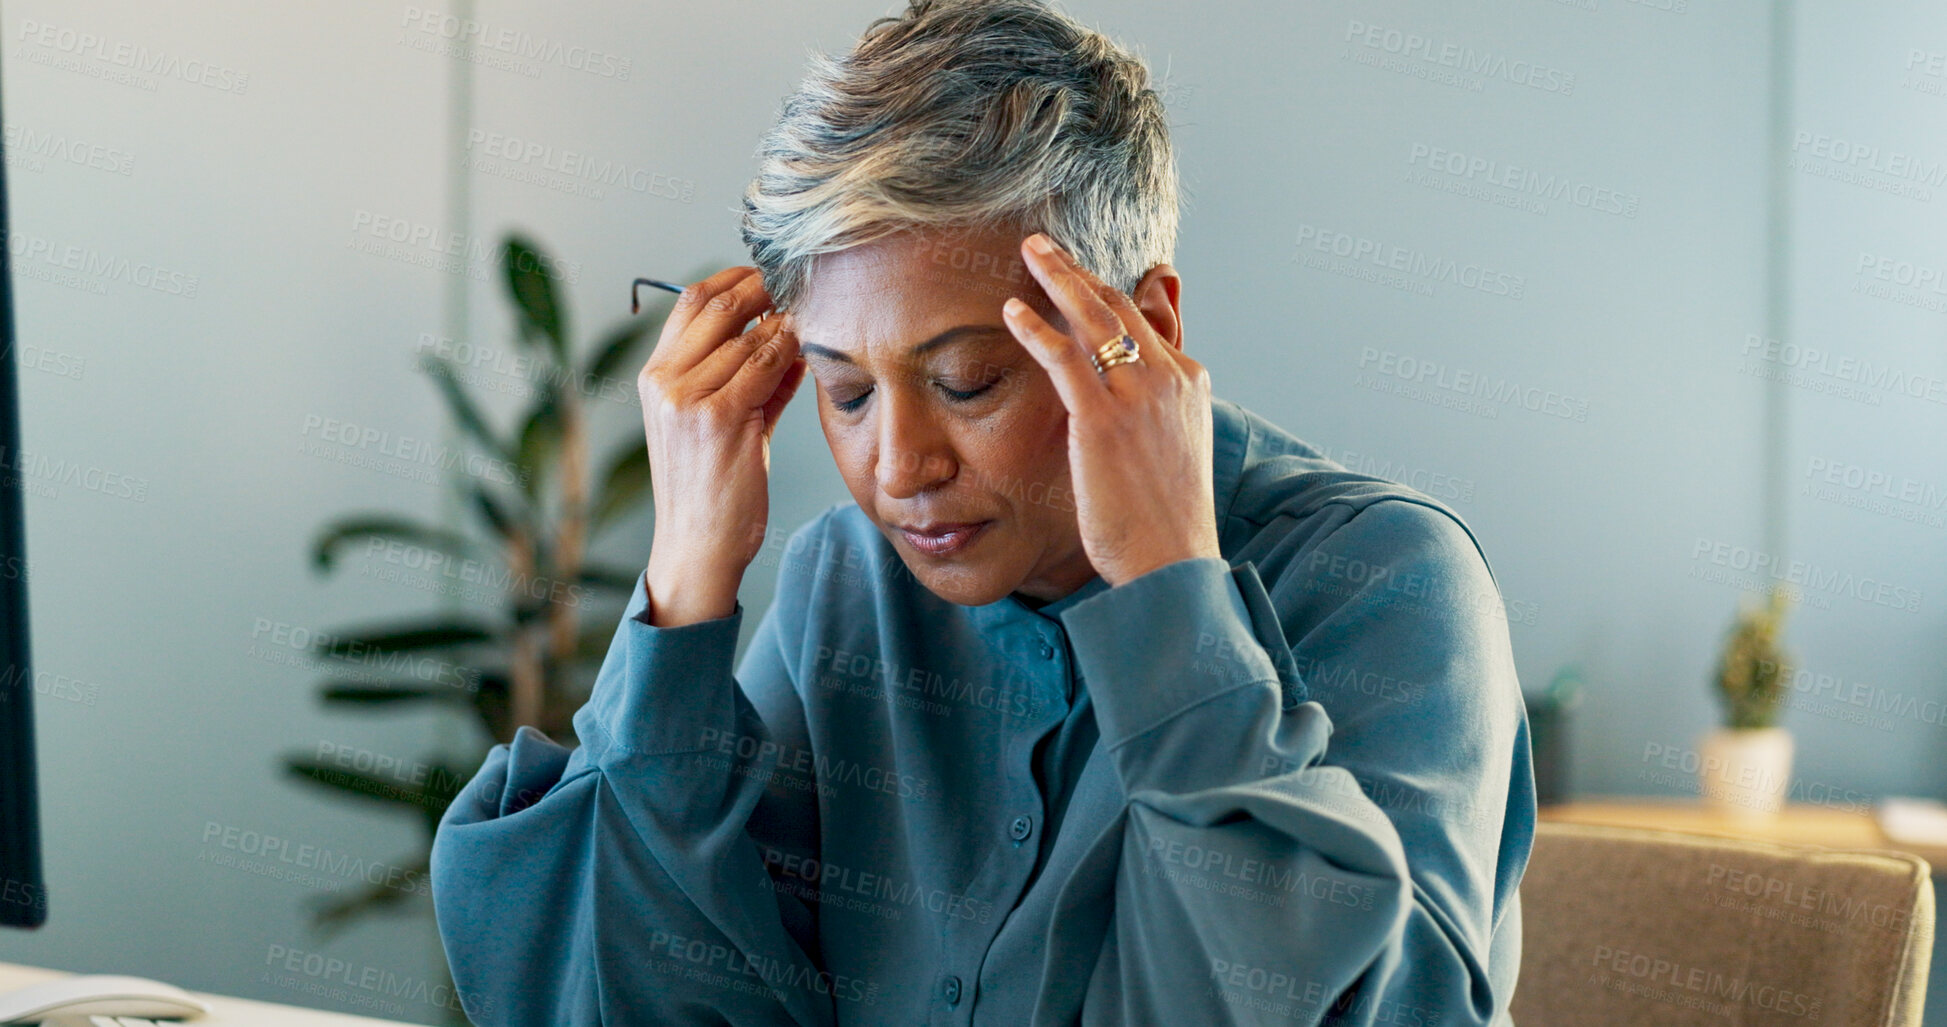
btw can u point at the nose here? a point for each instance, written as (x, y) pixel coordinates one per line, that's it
(914, 454)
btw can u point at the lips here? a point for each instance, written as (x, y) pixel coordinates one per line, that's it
(942, 538)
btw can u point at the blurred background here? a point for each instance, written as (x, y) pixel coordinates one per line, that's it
(1652, 292)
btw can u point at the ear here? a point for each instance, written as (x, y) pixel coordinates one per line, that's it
(1159, 297)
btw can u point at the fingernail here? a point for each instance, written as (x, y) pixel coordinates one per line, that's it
(1014, 307)
(1041, 244)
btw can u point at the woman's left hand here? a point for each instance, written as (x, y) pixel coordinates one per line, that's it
(1139, 434)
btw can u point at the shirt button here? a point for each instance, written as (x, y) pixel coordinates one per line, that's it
(1021, 828)
(950, 990)
(1047, 651)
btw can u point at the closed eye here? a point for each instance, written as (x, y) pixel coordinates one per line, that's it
(955, 395)
(960, 397)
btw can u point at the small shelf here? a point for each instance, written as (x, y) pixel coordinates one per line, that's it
(1796, 824)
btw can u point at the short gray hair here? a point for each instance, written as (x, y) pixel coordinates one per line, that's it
(975, 114)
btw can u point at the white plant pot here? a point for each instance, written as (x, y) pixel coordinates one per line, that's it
(1745, 772)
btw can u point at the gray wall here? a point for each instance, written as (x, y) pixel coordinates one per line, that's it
(166, 705)
(1869, 209)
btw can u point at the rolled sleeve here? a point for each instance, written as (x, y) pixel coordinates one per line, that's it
(1244, 849)
(624, 881)
(1160, 643)
(655, 707)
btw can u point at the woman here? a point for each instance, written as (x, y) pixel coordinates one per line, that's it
(1036, 729)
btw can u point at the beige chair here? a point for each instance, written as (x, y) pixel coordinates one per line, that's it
(1623, 926)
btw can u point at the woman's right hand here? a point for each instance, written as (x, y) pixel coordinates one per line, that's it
(711, 396)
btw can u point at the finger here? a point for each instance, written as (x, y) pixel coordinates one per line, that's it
(1115, 299)
(676, 350)
(715, 369)
(729, 312)
(1064, 359)
(774, 407)
(756, 382)
(1150, 346)
(697, 294)
(1072, 288)
(710, 312)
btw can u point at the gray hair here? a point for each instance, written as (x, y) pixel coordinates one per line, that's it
(975, 114)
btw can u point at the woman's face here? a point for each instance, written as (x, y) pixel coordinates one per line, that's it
(936, 415)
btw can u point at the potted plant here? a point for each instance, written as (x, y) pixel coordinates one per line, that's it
(1744, 767)
(531, 659)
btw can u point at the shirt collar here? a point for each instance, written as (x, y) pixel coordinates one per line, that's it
(1052, 611)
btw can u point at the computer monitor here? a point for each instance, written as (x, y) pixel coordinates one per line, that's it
(23, 895)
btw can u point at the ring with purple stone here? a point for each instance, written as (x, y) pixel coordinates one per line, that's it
(1112, 353)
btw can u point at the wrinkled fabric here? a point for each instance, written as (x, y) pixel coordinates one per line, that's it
(1288, 786)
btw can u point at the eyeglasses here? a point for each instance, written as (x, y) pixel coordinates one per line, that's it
(635, 291)
(635, 294)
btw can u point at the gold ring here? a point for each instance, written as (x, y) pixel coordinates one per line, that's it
(1115, 352)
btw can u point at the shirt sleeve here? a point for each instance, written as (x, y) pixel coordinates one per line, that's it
(1328, 830)
(623, 881)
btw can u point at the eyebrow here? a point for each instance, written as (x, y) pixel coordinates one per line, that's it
(958, 333)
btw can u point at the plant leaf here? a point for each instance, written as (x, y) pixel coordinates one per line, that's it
(527, 609)
(530, 281)
(491, 704)
(540, 441)
(618, 578)
(374, 787)
(612, 351)
(490, 510)
(331, 913)
(622, 487)
(438, 634)
(593, 644)
(461, 405)
(358, 693)
(324, 551)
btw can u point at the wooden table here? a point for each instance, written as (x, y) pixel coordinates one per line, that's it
(1796, 824)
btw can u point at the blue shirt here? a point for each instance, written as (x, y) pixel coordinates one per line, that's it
(1288, 786)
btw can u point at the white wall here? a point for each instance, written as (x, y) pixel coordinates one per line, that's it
(1869, 189)
(1289, 125)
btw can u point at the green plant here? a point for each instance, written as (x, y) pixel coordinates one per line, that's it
(1753, 670)
(528, 661)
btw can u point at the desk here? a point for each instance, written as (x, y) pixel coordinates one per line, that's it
(224, 1011)
(1796, 824)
